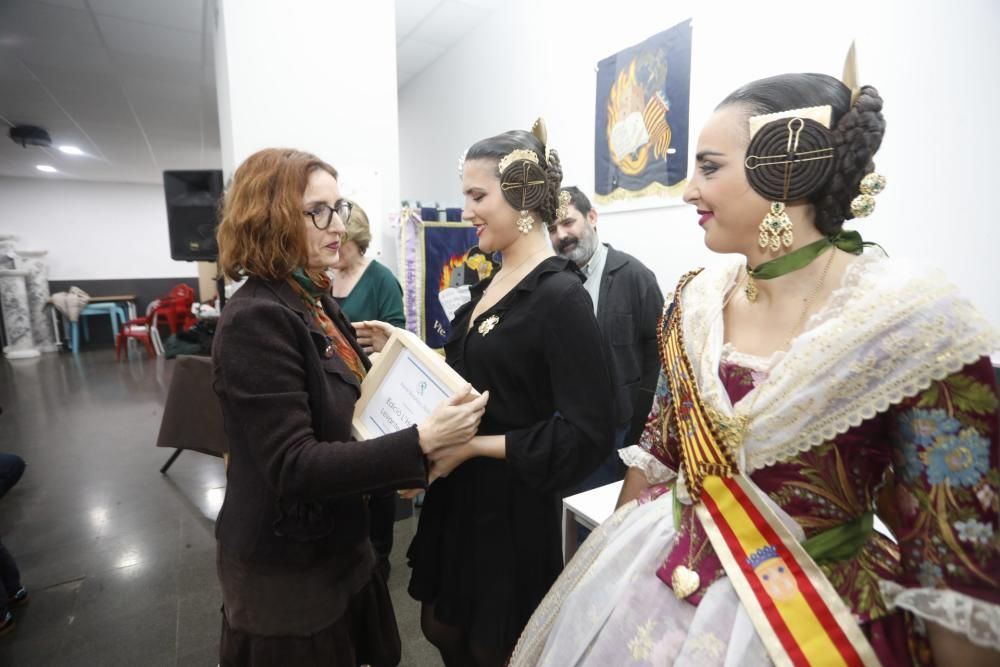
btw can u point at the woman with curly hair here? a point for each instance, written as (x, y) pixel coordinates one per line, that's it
(297, 569)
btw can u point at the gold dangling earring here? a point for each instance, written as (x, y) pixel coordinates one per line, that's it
(776, 228)
(525, 223)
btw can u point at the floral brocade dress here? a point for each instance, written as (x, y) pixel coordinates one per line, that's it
(871, 410)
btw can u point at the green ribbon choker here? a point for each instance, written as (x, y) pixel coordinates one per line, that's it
(847, 241)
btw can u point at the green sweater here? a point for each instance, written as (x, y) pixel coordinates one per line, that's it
(377, 296)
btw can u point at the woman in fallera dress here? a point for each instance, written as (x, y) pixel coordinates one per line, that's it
(803, 389)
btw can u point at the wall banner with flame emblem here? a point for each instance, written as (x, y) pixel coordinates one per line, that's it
(641, 134)
(437, 258)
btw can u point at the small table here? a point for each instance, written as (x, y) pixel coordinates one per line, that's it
(127, 299)
(588, 509)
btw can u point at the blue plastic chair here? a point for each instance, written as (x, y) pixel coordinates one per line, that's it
(113, 310)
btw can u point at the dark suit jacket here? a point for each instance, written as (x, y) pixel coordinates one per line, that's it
(628, 310)
(295, 477)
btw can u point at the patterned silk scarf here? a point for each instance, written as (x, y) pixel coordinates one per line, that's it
(310, 289)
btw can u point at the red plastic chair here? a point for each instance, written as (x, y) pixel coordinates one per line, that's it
(175, 309)
(142, 329)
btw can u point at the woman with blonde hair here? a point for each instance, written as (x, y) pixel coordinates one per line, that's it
(365, 291)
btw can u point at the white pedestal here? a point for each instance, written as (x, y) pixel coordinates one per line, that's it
(36, 263)
(16, 315)
(37, 283)
(8, 260)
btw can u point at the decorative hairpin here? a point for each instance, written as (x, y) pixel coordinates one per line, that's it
(850, 76)
(562, 212)
(864, 204)
(515, 156)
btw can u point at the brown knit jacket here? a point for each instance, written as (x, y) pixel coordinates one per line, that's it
(296, 477)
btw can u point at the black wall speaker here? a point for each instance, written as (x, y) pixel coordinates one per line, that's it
(193, 213)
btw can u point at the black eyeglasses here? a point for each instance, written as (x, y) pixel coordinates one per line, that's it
(322, 215)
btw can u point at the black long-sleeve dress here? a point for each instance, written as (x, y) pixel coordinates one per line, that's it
(488, 545)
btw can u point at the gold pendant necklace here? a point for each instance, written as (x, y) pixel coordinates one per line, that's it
(499, 279)
(751, 287)
(685, 580)
(490, 322)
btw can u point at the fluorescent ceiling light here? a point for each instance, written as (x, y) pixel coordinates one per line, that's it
(46, 168)
(71, 150)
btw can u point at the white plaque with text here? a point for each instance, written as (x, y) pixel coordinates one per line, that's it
(407, 381)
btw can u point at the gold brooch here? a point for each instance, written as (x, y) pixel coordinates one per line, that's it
(487, 325)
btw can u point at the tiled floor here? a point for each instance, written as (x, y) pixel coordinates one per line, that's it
(120, 560)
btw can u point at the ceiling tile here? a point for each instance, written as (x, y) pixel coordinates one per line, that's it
(59, 79)
(409, 14)
(131, 37)
(131, 71)
(67, 56)
(69, 4)
(47, 22)
(161, 91)
(163, 117)
(11, 68)
(106, 106)
(482, 5)
(447, 24)
(20, 94)
(181, 14)
(402, 78)
(154, 68)
(413, 55)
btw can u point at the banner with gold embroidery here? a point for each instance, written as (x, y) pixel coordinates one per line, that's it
(641, 135)
(437, 258)
(799, 616)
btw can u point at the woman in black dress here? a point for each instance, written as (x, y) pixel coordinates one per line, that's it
(488, 544)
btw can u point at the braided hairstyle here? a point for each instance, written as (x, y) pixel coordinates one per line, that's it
(495, 148)
(856, 133)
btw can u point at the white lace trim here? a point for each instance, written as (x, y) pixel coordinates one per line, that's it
(752, 362)
(975, 619)
(637, 457)
(885, 334)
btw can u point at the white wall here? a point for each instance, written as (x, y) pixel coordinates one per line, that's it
(92, 230)
(319, 76)
(935, 63)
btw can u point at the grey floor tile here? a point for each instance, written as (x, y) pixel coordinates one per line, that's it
(120, 560)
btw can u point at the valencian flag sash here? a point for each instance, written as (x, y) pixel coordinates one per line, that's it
(799, 616)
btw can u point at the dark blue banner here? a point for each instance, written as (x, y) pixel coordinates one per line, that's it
(446, 252)
(641, 133)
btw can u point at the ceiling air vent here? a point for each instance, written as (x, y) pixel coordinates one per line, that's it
(29, 135)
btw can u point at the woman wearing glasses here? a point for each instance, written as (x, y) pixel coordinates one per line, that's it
(294, 560)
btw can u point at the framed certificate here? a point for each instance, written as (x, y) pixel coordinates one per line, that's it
(404, 385)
